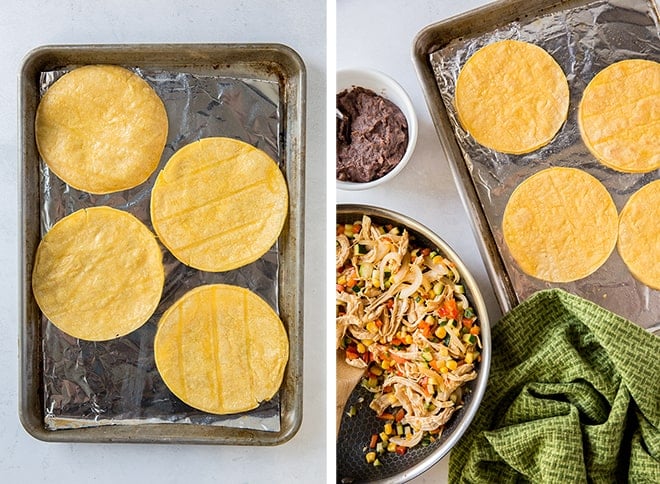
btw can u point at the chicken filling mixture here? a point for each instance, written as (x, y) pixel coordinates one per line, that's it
(402, 314)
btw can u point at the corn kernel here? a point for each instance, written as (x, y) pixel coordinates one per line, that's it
(444, 369)
(452, 365)
(469, 357)
(361, 348)
(385, 364)
(388, 428)
(441, 332)
(408, 339)
(444, 351)
(384, 437)
(367, 342)
(376, 370)
(371, 327)
(371, 457)
(437, 259)
(391, 447)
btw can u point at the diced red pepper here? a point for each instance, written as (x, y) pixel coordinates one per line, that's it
(374, 441)
(398, 416)
(449, 309)
(352, 353)
(425, 328)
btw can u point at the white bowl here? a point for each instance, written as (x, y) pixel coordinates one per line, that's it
(387, 87)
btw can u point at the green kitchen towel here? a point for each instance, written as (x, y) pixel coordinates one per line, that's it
(573, 396)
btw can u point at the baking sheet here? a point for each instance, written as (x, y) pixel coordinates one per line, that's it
(86, 385)
(583, 37)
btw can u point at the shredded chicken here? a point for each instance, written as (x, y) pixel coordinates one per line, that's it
(402, 312)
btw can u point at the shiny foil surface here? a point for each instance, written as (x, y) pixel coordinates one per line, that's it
(116, 382)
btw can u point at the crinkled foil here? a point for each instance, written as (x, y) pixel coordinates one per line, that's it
(116, 382)
(583, 40)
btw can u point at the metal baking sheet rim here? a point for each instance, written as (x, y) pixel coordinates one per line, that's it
(273, 59)
(432, 38)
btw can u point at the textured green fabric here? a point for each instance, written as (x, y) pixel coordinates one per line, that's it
(573, 396)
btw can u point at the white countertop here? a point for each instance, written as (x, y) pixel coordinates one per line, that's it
(371, 33)
(379, 34)
(25, 25)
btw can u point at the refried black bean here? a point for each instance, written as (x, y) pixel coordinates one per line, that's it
(372, 135)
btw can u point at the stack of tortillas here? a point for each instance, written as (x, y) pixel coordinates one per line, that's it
(512, 96)
(619, 116)
(639, 234)
(560, 224)
(98, 274)
(218, 205)
(221, 349)
(101, 128)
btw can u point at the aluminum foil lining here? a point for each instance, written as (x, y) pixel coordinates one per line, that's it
(583, 40)
(116, 382)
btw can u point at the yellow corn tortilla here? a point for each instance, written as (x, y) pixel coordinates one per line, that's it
(98, 274)
(639, 234)
(560, 224)
(221, 349)
(619, 116)
(101, 129)
(219, 204)
(512, 97)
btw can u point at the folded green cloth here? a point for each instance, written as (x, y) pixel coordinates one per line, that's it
(573, 396)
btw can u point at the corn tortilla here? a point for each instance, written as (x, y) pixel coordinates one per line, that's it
(512, 97)
(639, 234)
(98, 274)
(219, 204)
(221, 349)
(619, 116)
(101, 129)
(560, 224)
